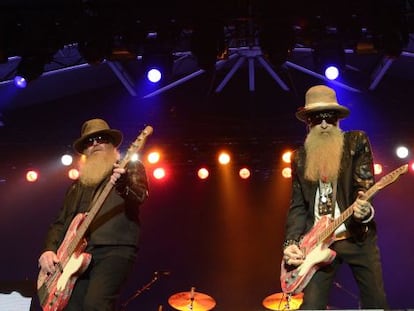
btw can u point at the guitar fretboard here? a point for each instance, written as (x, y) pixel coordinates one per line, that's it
(384, 181)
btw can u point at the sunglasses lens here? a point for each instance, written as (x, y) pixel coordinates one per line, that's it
(330, 118)
(101, 139)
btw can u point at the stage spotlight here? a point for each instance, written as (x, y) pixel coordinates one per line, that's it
(377, 168)
(66, 159)
(157, 56)
(287, 156)
(29, 68)
(159, 173)
(135, 157)
(331, 72)
(73, 174)
(402, 152)
(244, 173)
(224, 158)
(158, 66)
(287, 172)
(20, 82)
(154, 75)
(154, 157)
(32, 176)
(203, 173)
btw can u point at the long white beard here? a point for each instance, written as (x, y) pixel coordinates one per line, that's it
(97, 166)
(323, 154)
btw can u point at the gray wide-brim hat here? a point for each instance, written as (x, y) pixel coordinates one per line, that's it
(95, 127)
(321, 98)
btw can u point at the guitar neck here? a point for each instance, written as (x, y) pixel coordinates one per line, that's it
(345, 215)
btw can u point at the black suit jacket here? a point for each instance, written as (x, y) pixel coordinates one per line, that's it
(356, 174)
(117, 222)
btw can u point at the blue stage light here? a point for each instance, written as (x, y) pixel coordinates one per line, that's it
(154, 75)
(20, 82)
(332, 72)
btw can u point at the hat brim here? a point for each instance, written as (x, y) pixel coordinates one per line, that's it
(115, 134)
(303, 113)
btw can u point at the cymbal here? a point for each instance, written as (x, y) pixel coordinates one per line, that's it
(182, 301)
(279, 301)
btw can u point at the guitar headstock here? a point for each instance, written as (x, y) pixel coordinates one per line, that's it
(392, 176)
(137, 145)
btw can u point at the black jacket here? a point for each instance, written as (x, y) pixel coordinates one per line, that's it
(356, 174)
(117, 221)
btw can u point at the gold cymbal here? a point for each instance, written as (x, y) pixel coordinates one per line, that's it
(279, 301)
(182, 301)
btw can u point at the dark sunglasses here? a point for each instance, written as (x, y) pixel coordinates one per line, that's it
(99, 139)
(330, 117)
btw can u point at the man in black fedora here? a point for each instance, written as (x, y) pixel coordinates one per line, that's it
(112, 235)
(331, 172)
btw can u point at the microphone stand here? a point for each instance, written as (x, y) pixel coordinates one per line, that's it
(139, 291)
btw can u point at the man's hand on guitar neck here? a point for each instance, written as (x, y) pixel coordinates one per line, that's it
(116, 173)
(362, 208)
(48, 261)
(292, 255)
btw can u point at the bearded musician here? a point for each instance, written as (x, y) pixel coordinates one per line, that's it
(330, 172)
(112, 238)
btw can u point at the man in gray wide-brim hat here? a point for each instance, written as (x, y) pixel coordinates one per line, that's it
(330, 172)
(109, 218)
(321, 98)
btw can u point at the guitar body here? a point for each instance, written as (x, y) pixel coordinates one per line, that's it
(54, 290)
(317, 254)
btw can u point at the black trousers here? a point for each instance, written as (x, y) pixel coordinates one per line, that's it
(98, 288)
(365, 263)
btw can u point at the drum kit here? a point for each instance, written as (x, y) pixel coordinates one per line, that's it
(196, 301)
